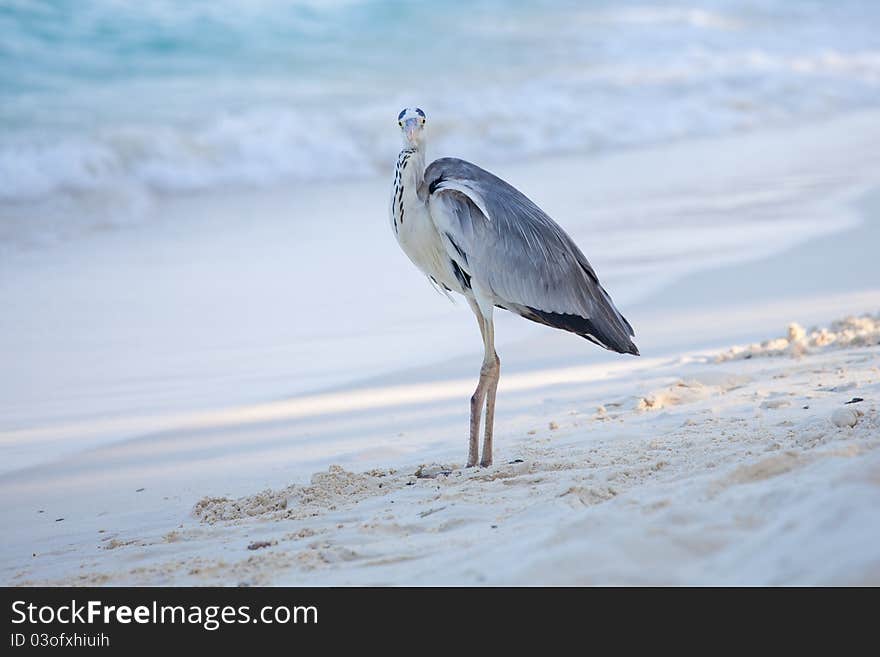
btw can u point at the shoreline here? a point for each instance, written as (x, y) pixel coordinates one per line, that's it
(221, 295)
(701, 297)
(418, 415)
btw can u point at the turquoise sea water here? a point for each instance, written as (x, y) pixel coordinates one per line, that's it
(162, 96)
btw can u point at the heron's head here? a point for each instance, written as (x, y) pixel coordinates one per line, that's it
(412, 126)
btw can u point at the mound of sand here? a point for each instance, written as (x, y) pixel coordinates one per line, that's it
(863, 331)
(327, 490)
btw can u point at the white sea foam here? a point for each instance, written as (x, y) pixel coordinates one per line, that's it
(238, 94)
(594, 110)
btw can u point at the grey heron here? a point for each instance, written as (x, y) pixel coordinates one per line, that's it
(472, 233)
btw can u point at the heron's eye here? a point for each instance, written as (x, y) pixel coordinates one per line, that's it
(400, 123)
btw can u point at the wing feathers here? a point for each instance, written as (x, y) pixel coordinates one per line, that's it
(507, 244)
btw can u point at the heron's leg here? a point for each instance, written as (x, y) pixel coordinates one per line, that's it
(489, 375)
(477, 398)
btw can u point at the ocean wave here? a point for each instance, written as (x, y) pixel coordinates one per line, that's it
(105, 99)
(587, 110)
(259, 148)
(652, 15)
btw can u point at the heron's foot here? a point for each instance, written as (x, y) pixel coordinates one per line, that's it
(485, 463)
(472, 462)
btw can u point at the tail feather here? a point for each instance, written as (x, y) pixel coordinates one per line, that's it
(618, 340)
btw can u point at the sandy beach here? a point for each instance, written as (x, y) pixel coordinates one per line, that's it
(196, 400)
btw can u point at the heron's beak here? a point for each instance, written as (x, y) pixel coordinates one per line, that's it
(411, 128)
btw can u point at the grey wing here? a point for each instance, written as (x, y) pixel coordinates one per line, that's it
(508, 246)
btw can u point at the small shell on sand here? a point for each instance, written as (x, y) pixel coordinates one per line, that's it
(845, 417)
(432, 471)
(553, 426)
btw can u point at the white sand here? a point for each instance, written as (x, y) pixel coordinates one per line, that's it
(161, 376)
